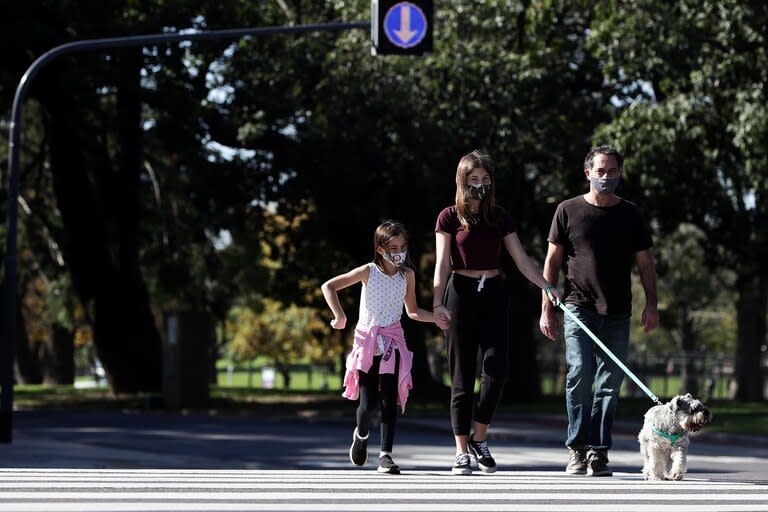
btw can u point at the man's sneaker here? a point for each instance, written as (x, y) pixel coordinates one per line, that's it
(597, 463)
(387, 465)
(577, 465)
(358, 452)
(462, 465)
(482, 455)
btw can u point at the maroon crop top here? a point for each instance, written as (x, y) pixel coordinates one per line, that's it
(479, 249)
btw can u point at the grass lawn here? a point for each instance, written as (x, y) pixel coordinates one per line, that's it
(731, 417)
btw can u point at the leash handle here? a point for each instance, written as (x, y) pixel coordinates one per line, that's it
(610, 354)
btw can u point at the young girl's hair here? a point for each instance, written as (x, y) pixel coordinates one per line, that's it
(386, 231)
(487, 214)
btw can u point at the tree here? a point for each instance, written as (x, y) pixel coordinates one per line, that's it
(688, 290)
(692, 118)
(283, 333)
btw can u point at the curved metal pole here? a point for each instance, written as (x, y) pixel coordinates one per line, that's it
(7, 352)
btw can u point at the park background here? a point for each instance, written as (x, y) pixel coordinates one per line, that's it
(181, 204)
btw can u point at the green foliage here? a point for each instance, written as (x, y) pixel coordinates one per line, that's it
(694, 297)
(284, 333)
(267, 162)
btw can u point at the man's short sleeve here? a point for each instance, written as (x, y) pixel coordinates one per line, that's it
(557, 232)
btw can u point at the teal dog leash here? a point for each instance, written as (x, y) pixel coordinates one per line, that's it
(610, 354)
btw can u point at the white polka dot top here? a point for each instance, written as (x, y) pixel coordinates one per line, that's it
(381, 300)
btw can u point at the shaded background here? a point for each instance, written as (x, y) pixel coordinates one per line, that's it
(224, 182)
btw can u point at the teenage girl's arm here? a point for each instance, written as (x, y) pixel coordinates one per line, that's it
(411, 306)
(333, 285)
(526, 266)
(442, 270)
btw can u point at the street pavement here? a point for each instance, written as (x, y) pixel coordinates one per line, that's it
(128, 460)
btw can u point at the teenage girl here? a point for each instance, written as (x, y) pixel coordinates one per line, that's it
(470, 236)
(379, 365)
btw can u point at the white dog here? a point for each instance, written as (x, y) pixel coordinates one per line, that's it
(664, 436)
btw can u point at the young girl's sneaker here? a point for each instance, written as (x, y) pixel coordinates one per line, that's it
(387, 465)
(358, 452)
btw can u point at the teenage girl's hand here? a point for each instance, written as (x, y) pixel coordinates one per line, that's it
(442, 317)
(339, 322)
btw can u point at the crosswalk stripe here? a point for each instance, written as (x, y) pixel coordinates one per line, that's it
(70, 490)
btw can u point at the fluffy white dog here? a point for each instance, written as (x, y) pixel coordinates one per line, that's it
(664, 437)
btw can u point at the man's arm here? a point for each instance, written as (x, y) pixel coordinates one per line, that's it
(647, 270)
(548, 323)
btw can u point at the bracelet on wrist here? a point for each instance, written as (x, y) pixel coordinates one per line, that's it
(548, 288)
(435, 306)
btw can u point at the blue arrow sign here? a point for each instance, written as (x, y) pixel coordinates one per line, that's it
(405, 25)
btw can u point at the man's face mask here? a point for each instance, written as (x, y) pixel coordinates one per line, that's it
(605, 185)
(478, 191)
(396, 258)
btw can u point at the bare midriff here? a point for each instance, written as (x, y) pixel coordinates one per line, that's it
(477, 274)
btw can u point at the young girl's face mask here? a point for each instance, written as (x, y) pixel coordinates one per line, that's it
(396, 258)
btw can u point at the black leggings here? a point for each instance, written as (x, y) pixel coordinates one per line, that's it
(479, 320)
(379, 388)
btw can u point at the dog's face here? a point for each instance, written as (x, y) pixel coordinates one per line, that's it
(690, 412)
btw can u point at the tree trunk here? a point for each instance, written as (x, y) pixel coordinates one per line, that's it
(523, 382)
(142, 342)
(688, 378)
(99, 214)
(59, 357)
(285, 371)
(27, 370)
(750, 336)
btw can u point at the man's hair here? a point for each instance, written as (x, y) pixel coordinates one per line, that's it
(607, 150)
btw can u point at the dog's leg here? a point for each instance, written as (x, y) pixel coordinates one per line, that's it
(679, 461)
(658, 455)
(644, 449)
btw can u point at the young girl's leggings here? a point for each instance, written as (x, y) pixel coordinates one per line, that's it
(379, 388)
(479, 320)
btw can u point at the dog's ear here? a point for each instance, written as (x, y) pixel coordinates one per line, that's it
(676, 402)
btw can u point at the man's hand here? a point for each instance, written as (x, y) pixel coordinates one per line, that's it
(650, 318)
(549, 323)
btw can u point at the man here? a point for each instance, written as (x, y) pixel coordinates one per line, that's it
(596, 237)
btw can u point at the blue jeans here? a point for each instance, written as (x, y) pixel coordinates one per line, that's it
(590, 415)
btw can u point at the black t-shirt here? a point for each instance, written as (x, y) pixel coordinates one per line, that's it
(600, 244)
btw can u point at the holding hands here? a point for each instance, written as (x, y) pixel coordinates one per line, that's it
(442, 316)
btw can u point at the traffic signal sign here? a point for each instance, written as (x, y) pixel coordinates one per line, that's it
(401, 28)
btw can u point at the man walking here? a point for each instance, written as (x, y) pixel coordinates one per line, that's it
(596, 238)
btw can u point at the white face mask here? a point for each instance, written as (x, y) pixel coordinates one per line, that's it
(396, 258)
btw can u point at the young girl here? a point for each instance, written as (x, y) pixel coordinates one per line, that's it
(379, 366)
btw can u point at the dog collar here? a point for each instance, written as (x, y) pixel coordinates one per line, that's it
(672, 437)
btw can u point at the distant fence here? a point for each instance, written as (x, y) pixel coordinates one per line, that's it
(712, 374)
(303, 376)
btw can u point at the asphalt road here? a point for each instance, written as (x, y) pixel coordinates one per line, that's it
(156, 440)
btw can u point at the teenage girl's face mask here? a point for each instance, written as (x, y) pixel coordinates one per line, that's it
(396, 258)
(478, 190)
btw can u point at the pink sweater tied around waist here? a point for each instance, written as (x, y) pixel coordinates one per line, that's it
(361, 358)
